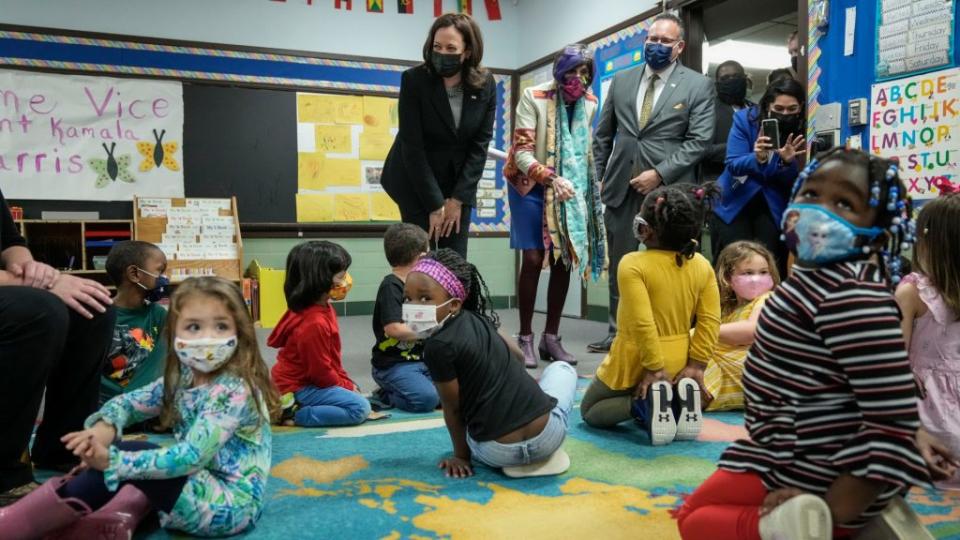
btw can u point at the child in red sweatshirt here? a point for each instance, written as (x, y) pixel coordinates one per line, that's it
(309, 364)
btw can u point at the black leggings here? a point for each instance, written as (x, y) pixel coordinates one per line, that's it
(90, 488)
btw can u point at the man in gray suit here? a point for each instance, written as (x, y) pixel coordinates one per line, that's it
(656, 124)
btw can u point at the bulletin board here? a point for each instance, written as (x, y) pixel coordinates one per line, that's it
(240, 126)
(835, 77)
(913, 36)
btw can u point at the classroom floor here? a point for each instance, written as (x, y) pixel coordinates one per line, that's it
(380, 480)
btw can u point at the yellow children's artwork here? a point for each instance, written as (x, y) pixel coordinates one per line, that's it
(341, 172)
(348, 110)
(315, 207)
(375, 145)
(351, 207)
(315, 108)
(382, 207)
(310, 171)
(334, 139)
(379, 113)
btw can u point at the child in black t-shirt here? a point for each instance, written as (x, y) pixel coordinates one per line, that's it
(403, 378)
(494, 411)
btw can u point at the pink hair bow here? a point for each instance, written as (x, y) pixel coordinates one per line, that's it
(945, 186)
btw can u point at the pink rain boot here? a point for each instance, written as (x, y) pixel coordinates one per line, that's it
(41, 512)
(116, 520)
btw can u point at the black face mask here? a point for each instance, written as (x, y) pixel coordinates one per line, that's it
(446, 65)
(794, 61)
(733, 90)
(788, 124)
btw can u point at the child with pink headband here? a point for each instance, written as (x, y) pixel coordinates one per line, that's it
(495, 412)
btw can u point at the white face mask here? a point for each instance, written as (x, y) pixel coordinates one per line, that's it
(422, 319)
(205, 355)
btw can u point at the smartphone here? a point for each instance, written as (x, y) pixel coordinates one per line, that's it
(770, 128)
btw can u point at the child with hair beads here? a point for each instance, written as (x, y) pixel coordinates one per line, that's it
(495, 412)
(663, 289)
(309, 365)
(830, 399)
(136, 355)
(930, 302)
(216, 392)
(747, 273)
(403, 378)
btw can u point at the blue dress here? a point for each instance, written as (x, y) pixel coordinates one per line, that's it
(526, 218)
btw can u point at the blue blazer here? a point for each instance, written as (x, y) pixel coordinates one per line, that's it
(744, 177)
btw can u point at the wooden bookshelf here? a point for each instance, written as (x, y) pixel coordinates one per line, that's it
(151, 228)
(75, 246)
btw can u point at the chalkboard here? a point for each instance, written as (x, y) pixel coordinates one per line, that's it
(242, 142)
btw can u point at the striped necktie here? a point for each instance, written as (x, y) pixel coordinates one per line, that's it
(646, 108)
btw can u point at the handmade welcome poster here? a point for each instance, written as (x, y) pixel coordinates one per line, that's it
(917, 119)
(89, 138)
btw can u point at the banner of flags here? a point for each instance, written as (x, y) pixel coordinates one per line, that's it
(405, 7)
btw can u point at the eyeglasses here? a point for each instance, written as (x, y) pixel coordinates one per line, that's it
(662, 40)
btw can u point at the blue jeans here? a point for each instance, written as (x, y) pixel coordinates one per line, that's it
(559, 380)
(408, 386)
(331, 406)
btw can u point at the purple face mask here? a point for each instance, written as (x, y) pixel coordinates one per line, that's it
(749, 287)
(573, 90)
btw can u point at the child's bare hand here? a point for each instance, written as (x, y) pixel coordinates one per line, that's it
(694, 370)
(778, 497)
(649, 377)
(942, 464)
(95, 455)
(456, 467)
(101, 431)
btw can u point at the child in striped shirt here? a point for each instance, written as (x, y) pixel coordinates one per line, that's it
(831, 405)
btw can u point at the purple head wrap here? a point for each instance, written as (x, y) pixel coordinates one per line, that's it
(442, 275)
(571, 57)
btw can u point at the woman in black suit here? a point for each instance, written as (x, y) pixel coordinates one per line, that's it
(447, 108)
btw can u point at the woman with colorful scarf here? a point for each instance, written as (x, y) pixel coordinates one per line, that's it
(556, 214)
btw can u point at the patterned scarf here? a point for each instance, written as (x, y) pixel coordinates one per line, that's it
(575, 226)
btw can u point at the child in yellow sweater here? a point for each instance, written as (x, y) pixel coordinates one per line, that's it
(747, 274)
(662, 290)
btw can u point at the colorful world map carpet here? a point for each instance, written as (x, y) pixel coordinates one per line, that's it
(380, 481)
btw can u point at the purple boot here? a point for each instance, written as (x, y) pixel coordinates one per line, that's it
(551, 350)
(526, 345)
(41, 512)
(116, 520)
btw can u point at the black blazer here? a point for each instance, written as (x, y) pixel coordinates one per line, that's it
(714, 161)
(430, 160)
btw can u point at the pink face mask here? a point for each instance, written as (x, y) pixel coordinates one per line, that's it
(573, 89)
(749, 287)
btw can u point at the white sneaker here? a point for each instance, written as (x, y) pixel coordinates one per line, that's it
(897, 522)
(557, 463)
(663, 426)
(687, 408)
(804, 517)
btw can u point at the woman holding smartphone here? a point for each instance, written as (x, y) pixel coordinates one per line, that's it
(765, 145)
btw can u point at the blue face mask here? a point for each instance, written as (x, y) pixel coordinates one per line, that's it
(160, 288)
(823, 237)
(657, 55)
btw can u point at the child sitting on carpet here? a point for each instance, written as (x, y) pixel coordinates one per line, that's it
(216, 392)
(136, 355)
(495, 412)
(746, 272)
(662, 289)
(403, 378)
(309, 363)
(830, 399)
(930, 302)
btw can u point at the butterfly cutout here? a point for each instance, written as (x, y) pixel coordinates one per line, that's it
(158, 153)
(110, 169)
